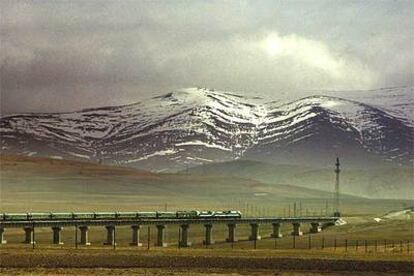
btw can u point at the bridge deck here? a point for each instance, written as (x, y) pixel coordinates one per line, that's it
(103, 222)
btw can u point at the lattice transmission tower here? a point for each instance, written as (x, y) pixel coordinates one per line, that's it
(337, 213)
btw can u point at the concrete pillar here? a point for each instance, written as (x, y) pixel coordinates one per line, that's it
(160, 236)
(56, 235)
(315, 227)
(296, 229)
(209, 234)
(184, 236)
(232, 232)
(2, 240)
(255, 232)
(110, 235)
(29, 236)
(276, 231)
(84, 235)
(135, 235)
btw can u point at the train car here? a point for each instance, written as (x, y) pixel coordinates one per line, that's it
(127, 215)
(89, 215)
(206, 214)
(3, 216)
(227, 214)
(38, 216)
(234, 214)
(15, 216)
(105, 215)
(61, 216)
(188, 214)
(166, 215)
(146, 215)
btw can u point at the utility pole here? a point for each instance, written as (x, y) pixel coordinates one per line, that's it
(294, 209)
(336, 202)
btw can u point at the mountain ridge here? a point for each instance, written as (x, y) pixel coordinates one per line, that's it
(194, 126)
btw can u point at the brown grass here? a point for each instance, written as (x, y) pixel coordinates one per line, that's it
(179, 272)
(190, 258)
(19, 164)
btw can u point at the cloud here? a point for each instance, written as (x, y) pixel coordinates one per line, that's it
(268, 64)
(68, 55)
(345, 71)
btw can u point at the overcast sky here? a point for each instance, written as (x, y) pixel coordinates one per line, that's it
(67, 55)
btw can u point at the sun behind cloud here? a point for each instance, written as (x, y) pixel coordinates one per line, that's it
(273, 45)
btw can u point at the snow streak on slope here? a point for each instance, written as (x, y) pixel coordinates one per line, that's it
(398, 101)
(194, 126)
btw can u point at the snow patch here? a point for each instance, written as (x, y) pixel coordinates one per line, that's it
(79, 155)
(201, 143)
(56, 157)
(158, 153)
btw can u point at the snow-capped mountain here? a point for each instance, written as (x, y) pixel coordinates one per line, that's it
(318, 128)
(195, 126)
(398, 101)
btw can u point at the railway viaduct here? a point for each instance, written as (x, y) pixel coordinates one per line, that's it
(135, 224)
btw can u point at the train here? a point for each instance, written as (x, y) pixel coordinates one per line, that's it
(119, 215)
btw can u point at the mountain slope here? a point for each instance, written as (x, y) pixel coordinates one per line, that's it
(196, 126)
(388, 182)
(318, 128)
(398, 101)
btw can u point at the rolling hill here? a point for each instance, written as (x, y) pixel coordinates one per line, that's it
(368, 182)
(37, 183)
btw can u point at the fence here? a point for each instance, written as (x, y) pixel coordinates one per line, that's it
(308, 242)
(326, 244)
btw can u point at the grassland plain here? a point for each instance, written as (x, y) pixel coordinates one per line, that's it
(41, 184)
